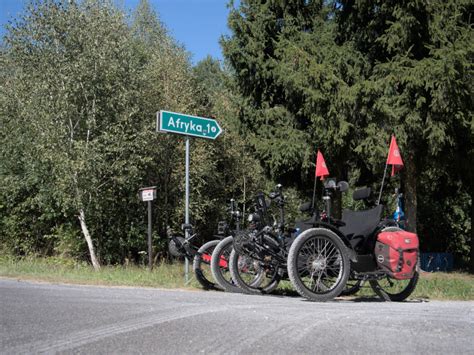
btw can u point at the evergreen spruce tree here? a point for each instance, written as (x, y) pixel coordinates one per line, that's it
(296, 83)
(344, 76)
(419, 88)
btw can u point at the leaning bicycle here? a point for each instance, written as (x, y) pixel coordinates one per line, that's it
(263, 249)
(200, 257)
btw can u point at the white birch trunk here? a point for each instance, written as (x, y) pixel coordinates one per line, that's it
(87, 236)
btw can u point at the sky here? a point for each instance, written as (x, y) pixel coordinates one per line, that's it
(197, 24)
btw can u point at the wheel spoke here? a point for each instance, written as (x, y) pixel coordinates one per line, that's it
(332, 251)
(322, 251)
(319, 264)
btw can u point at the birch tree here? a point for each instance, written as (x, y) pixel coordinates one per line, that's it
(76, 68)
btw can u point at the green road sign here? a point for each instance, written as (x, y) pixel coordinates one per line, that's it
(188, 125)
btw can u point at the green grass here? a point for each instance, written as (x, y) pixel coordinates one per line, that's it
(431, 286)
(68, 271)
(445, 286)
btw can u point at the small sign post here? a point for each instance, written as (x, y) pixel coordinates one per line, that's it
(148, 194)
(193, 126)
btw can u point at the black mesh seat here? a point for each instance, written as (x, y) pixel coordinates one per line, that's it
(359, 225)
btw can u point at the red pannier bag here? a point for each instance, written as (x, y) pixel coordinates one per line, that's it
(397, 253)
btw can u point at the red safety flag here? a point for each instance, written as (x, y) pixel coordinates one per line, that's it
(394, 157)
(321, 168)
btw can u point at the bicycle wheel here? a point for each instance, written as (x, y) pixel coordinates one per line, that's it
(252, 275)
(220, 265)
(318, 264)
(390, 289)
(175, 246)
(202, 265)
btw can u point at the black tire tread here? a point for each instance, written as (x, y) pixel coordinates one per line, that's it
(395, 297)
(205, 283)
(233, 266)
(293, 272)
(216, 270)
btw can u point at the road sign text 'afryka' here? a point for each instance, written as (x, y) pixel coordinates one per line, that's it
(188, 125)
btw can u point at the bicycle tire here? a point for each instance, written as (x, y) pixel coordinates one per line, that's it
(399, 295)
(264, 285)
(201, 265)
(220, 265)
(308, 262)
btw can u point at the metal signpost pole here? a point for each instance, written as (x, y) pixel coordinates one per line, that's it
(186, 213)
(148, 194)
(150, 256)
(188, 125)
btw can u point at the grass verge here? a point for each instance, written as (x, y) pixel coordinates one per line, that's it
(68, 271)
(431, 286)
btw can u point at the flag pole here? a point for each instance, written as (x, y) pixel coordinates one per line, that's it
(314, 192)
(381, 187)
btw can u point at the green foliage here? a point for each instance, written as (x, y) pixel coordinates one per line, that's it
(80, 90)
(300, 91)
(342, 77)
(223, 169)
(80, 85)
(418, 86)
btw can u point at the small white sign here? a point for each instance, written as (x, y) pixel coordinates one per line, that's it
(147, 195)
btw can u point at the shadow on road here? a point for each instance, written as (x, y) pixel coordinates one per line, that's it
(357, 299)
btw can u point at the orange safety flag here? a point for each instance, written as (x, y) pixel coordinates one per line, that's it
(321, 168)
(394, 157)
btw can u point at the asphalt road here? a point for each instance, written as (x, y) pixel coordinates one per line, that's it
(47, 318)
